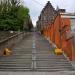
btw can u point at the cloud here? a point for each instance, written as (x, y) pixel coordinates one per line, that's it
(36, 6)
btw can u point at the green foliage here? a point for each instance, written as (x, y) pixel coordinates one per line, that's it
(23, 12)
(13, 16)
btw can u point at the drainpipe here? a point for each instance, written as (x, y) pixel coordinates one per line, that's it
(60, 30)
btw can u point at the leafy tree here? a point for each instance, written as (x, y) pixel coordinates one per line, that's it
(13, 16)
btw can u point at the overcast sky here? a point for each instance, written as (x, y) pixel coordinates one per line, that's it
(36, 6)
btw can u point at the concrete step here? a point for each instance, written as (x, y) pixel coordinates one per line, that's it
(40, 58)
(36, 69)
(13, 64)
(53, 70)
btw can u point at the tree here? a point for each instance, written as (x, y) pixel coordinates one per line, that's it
(13, 16)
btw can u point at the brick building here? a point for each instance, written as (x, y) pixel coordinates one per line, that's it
(59, 27)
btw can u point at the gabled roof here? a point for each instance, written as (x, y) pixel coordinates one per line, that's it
(48, 5)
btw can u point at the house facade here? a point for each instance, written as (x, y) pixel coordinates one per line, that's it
(59, 27)
(47, 16)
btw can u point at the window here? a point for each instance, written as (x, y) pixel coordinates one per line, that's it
(73, 25)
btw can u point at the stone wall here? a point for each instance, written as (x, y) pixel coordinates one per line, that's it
(11, 41)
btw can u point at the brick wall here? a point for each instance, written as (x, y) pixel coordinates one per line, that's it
(59, 32)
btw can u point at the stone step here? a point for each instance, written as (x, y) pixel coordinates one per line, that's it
(16, 69)
(38, 63)
(16, 60)
(29, 57)
(37, 69)
(54, 70)
(28, 63)
(48, 59)
(39, 58)
(54, 67)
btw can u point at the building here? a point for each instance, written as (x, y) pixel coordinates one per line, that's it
(68, 35)
(59, 27)
(47, 15)
(71, 17)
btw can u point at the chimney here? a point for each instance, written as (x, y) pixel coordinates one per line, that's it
(61, 10)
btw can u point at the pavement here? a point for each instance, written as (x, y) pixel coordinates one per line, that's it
(35, 55)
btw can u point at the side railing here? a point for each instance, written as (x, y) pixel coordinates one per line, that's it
(11, 41)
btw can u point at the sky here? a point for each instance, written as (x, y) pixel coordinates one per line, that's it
(36, 6)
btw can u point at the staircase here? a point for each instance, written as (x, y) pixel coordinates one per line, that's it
(34, 53)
